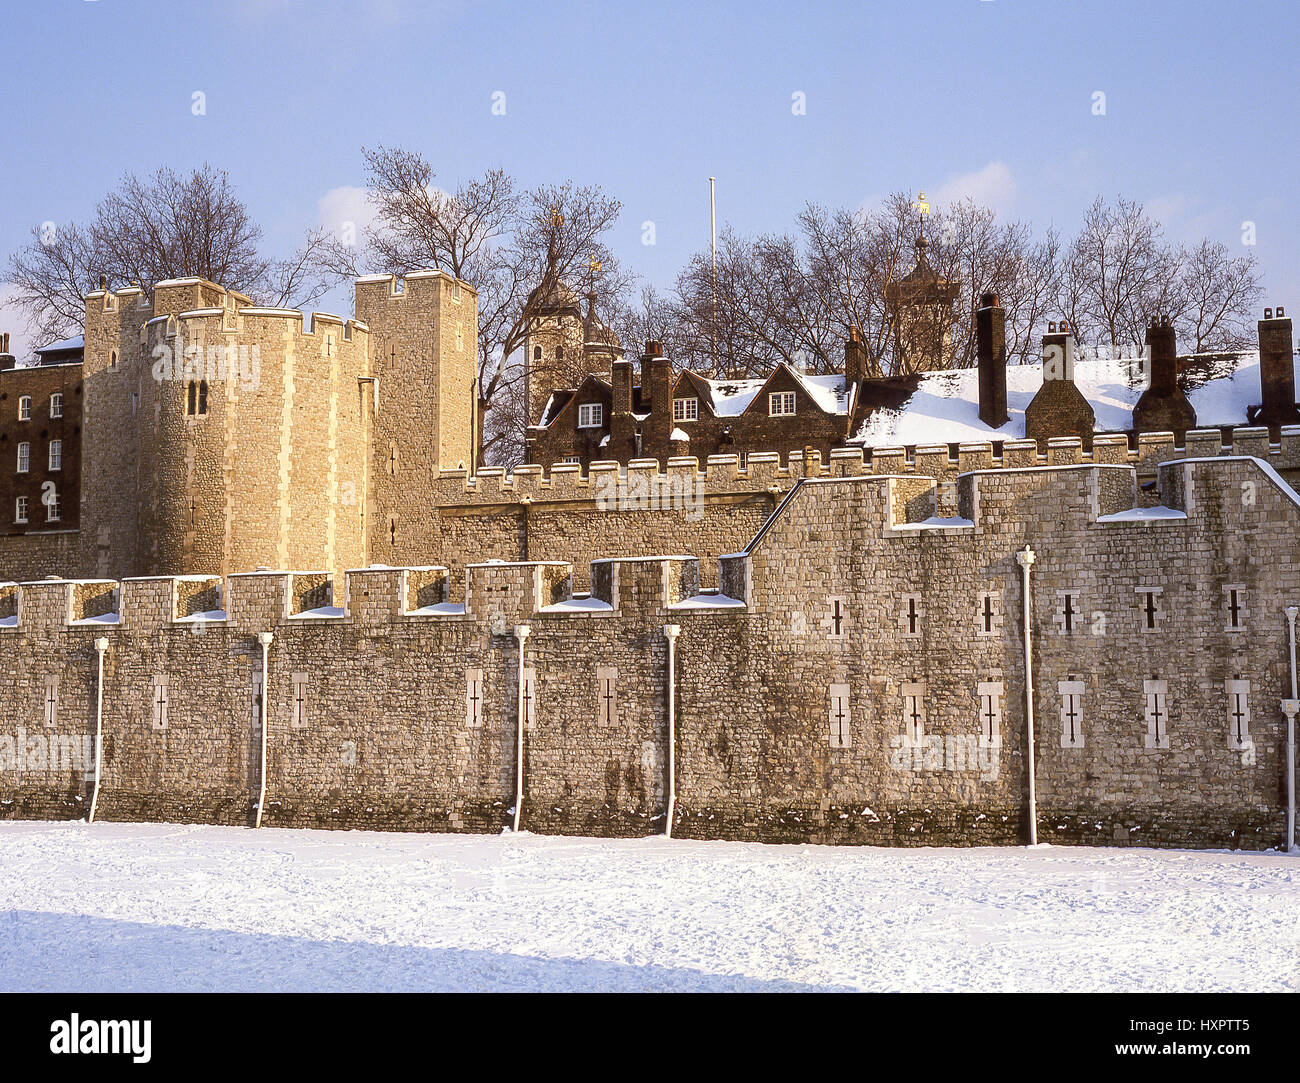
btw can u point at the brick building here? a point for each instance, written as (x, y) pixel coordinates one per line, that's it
(612, 417)
(40, 441)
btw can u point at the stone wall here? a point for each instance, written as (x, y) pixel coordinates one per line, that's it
(860, 680)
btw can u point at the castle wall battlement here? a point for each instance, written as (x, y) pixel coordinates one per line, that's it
(860, 679)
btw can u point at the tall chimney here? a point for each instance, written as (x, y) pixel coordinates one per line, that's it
(7, 360)
(622, 425)
(991, 346)
(1163, 406)
(1276, 370)
(656, 379)
(855, 357)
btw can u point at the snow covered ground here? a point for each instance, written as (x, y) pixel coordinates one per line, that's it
(168, 907)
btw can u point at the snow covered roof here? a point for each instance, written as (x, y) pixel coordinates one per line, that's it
(944, 408)
(77, 343)
(731, 398)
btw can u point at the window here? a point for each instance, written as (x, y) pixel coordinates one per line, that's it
(24, 457)
(51, 700)
(25, 408)
(474, 698)
(20, 510)
(299, 700)
(56, 454)
(686, 409)
(112, 360)
(573, 459)
(196, 401)
(559, 353)
(537, 353)
(56, 405)
(590, 415)
(607, 695)
(839, 716)
(1157, 713)
(780, 403)
(52, 507)
(161, 688)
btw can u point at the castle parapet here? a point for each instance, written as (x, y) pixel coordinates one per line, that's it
(505, 593)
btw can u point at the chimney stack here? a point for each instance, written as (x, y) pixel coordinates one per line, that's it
(1163, 406)
(622, 426)
(991, 345)
(7, 360)
(656, 380)
(1276, 370)
(1059, 408)
(855, 357)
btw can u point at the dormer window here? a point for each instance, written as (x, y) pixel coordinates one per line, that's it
(686, 409)
(780, 404)
(591, 415)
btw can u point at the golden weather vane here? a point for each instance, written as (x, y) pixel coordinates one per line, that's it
(922, 207)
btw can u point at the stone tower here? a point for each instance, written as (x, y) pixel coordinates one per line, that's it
(220, 436)
(423, 333)
(564, 345)
(922, 303)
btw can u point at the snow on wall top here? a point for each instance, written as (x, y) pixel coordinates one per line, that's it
(944, 409)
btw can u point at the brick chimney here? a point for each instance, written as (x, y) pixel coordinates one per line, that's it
(1163, 407)
(1276, 370)
(7, 360)
(855, 357)
(991, 349)
(622, 425)
(656, 381)
(1059, 408)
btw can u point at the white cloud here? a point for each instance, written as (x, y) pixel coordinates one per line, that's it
(993, 186)
(339, 206)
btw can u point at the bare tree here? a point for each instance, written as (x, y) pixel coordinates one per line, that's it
(149, 229)
(515, 248)
(1220, 295)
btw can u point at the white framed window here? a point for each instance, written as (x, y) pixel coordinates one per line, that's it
(24, 457)
(52, 508)
(20, 510)
(56, 405)
(591, 415)
(56, 454)
(573, 459)
(780, 404)
(24, 408)
(686, 409)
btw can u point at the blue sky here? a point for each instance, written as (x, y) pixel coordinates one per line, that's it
(988, 97)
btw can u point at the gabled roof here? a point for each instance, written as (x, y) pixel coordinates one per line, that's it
(731, 398)
(560, 399)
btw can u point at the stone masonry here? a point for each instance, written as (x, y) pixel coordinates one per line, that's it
(858, 676)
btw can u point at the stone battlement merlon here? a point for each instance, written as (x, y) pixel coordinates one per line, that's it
(722, 473)
(498, 594)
